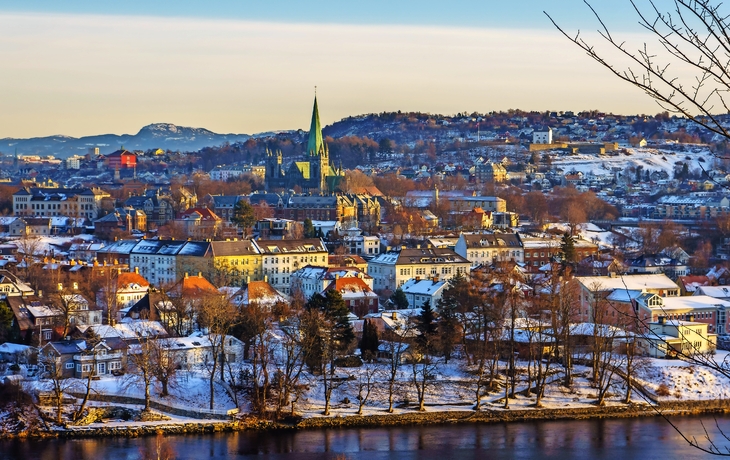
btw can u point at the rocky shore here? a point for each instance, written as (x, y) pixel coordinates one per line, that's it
(158, 424)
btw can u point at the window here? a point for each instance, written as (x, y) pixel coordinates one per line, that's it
(69, 365)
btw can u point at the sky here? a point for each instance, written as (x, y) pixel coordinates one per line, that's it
(237, 66)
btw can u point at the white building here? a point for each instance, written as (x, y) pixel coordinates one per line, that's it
(542, 136)
(488, 248)
(314, 280)
(392, 269)
(357, 243)
(281, 258)
(669, 338)
(418, 291)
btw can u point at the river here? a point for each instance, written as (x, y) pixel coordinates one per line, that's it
(616, 439)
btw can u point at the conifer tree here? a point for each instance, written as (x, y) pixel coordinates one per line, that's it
(399, 299)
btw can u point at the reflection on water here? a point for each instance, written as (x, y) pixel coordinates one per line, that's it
(644, 438)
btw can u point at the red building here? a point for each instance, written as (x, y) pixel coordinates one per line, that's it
(121, 159)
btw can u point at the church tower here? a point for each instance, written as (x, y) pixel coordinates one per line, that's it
(316, 148)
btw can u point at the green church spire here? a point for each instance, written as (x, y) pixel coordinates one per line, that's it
(315, 146)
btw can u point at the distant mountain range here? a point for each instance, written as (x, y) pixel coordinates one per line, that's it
(158, 135)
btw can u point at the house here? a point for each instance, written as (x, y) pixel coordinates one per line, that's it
(483, 249)
(356, 293)
(419, 291)
(281, 258)
(259, 292)
(689, 284)
(490, 172)
(391, 270)
(11, 286)
(315, 280)
(49, 202)
(655, 263)
(671, 338)
(125, 220)
(78, 358)
(543, 250)
(16, 353)
(197, 349)
(363, 245)
(156, 260)
(595, 290)
(131, 331)
(200, 223)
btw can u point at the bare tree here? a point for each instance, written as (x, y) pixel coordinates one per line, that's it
(60, 385)
(142, 358)
(365, 384)
(693, 35)
(217, 315)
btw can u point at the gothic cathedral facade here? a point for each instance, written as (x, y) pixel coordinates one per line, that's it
(314, 174)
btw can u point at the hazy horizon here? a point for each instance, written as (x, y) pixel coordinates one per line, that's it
(82, 69)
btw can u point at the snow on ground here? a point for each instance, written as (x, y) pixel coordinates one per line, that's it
(50, 244)
(451, 389)
(680, 380)
(191, 390)
(649, 159)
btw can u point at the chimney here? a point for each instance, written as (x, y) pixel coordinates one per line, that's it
(394, 315)
(200, 274)
(186, 275)
(266, 278)
(662, 320)
(136, 270)
(691, 318)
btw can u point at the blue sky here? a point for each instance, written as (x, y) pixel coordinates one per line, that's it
(464, 13)
(88, 67)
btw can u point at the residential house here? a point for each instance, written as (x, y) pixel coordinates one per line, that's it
(419, 291)
(281, 258)
(670, 338)
(391, 270)
(595, 290)
(483, 249)
(315, 280)
(78, 358)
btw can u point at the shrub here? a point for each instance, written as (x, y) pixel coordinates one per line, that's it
(663, 390)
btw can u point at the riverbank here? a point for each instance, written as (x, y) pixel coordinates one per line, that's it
(414, 418)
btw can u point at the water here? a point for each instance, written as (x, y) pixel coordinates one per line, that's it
(618, 439)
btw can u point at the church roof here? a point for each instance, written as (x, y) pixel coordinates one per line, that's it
(315, 144)
(304, 169)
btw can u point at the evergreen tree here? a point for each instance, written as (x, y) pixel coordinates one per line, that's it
(6, 322)
(426, 327)
(457, 298)
(337, 330)
(309, 230)
(399, 299)
(567, 249)
(243, 214)
(369, 342)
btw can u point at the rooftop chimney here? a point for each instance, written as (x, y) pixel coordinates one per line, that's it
(662, 320)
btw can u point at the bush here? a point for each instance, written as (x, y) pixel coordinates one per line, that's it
(663, 390)
(348, 361)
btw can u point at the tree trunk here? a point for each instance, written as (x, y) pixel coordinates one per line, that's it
(147, 394)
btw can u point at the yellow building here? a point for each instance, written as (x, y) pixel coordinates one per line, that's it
(235, 262)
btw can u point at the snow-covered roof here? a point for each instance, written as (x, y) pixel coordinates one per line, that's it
(634, 282)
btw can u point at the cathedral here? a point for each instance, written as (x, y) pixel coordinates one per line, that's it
(313, 174)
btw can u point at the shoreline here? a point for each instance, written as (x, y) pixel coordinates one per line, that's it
(414, 418)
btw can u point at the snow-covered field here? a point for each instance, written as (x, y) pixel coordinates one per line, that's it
(649, 159)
